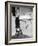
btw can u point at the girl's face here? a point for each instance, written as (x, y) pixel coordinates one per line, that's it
(17, 12)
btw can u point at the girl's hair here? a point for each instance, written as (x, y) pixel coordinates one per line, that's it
(13, 11)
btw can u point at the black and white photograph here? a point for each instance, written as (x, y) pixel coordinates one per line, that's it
(20, 22)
